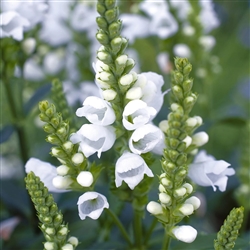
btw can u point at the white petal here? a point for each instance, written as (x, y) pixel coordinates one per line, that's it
(131, 169)
(45, 171)
(97, 111)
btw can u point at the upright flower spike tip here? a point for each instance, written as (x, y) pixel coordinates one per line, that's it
(228, 233)
(54, 229)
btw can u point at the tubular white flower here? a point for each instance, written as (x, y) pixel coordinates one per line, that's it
(94, 138)
(145, 138)
(186, 234)
(62, 170)
(97, 111)
(67, 247)
(12, 25)
(131, 169)
(154, 208)
(200, 138)
(189, 188)
(91, 204)
(164, 198)
(134, 93)
(109, 94)
(193, 200)
(85, 178)
(136, 113)
(150, 84)
(45, 171)
(206, 171)
(188, 141)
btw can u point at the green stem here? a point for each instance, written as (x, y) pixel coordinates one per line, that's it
(166, 241)
(120, 226)
(150, 231)
(137, 229)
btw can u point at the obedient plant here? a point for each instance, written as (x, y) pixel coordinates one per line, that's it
(117, 127)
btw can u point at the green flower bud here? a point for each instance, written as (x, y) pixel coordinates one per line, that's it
(50, 231)
(187, 69)
(174, 143)
(189, 102)
(68, 146)
(115, 29)
(182, 159)
(58, 219)
(49, 200)
(102, 23)
(53, 139)
(56, 121)
(43, 106)
(100, 9)
(51, 111)
(177, 91)
(58, 152)
(102, 37)
(48, 128)
(173, 154)
(173, 133)
(112, 14)
(187, 85)
(110, 4)
(44, 117)
(116, 44)
(178, 76)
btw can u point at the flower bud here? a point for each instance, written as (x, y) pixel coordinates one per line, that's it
(177, 91)
(102, 37)
(62, 170)
(101, 22)
(129, 65)
(49, 246)
(180, 192)
(104, 56)
(199, 120)
(178, 77)
(184, 233)
(116, 44)
(29, 45)
(115, 29)
(193, 201)
(188, 141)
(154, 208)
(109, 94)
(187, 85)
(134, 93)
(68, 146)
(161, 188)
(67, 247)
(186, 209)
(107, 77)
(191, 122)
(189, 188)
(126, 79)
(166, 182)
(164, 198)
(77, 158)
(50, 231)
(111, 15)
(100, 9)
(199, 139)
(74, 241)
(61, 182)
(85, 178)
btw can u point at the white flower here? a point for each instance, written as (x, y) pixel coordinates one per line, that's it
(61, 182)
(145, 138)
(91, 204)
(12, 25)
(97, 111)
(131, 169)
(193, 200)
(184, 233)
(150, 84)
(207, 42)
(200, 138)
(136, 113)
(54, 62)
(32, 70)
(94, 138)
(45, 171)
(206, 171)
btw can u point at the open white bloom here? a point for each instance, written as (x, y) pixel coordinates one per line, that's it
(97, 111)
(131, 169)
(145, 138)
(150, 84)
(94, 138)
(12, 25)
(45, 171)
(91, 204)
(206, 171)
(136, 113)
(186, 234)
